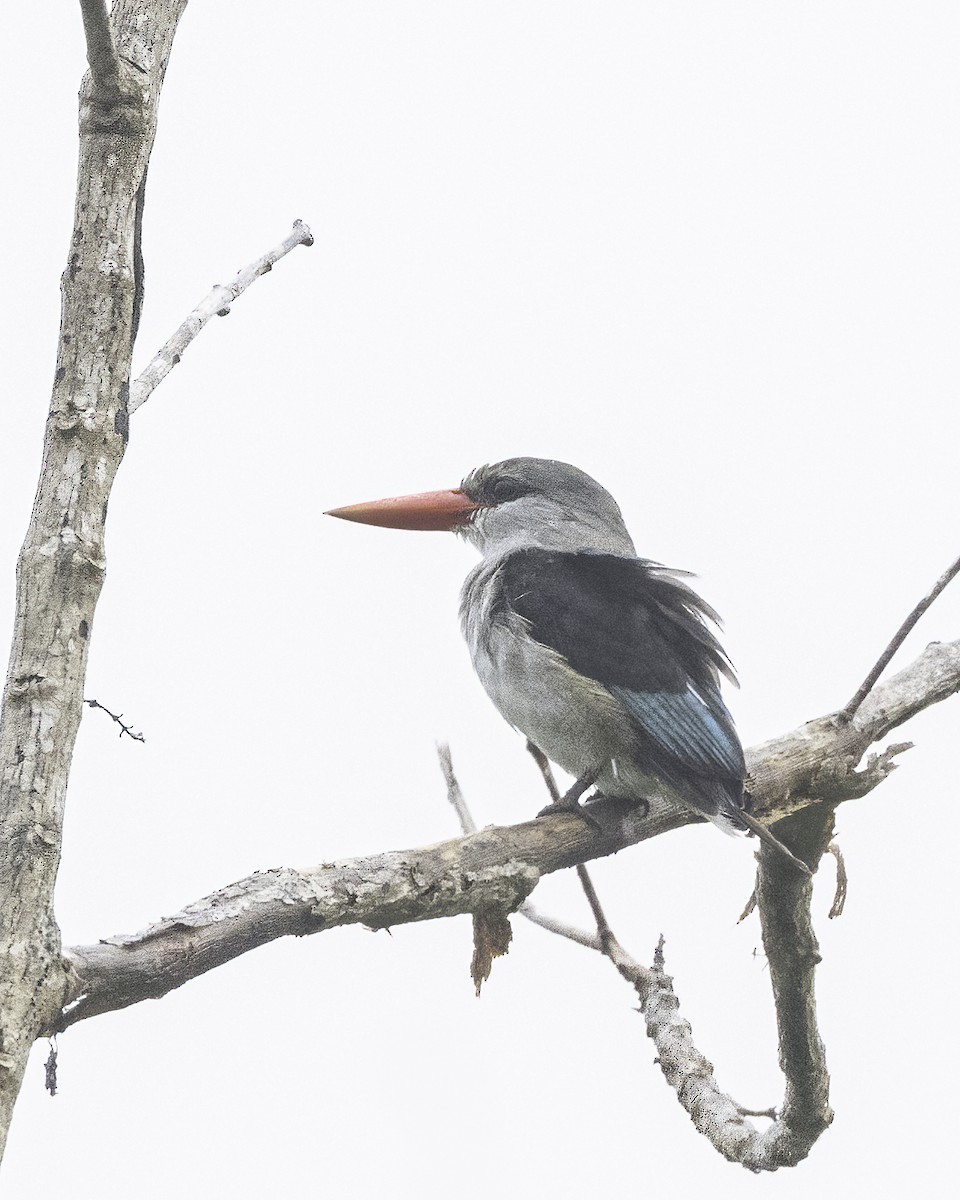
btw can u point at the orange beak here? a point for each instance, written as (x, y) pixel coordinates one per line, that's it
(426, 510)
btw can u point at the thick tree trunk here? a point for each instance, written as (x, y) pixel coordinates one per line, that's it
(61, 566)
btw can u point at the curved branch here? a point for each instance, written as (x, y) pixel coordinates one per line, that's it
(783, 896)
(494, 868)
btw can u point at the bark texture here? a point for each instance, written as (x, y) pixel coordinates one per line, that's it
(783, 898)
(805, 773)
(61, 566)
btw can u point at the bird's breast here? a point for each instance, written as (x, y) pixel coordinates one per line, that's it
(574, 720)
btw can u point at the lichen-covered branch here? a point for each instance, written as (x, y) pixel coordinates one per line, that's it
(216, 303)
(467, 875)
(783, 896)
(820, 760)
(792, 956)
(813, 764)
(61, 565)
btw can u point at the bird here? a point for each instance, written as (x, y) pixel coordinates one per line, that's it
(607, 662)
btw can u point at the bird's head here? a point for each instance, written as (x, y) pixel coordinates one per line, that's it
(517, 503)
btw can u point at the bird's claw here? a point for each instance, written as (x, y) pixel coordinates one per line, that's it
(570, 802)
(574, 807)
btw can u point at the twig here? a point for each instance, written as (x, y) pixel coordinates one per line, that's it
(546, 771)
(468, 825)
(561, 928)
(604, 932)
(101, 52)
(454, 793)
(492, 934)
(748, 908)
(216, 303)
(840, 896)
(757, 1112)
(50, 1068)
(124, 729)
(764, 834)
(846, 713)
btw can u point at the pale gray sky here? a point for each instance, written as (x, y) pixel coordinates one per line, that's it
(708, 252)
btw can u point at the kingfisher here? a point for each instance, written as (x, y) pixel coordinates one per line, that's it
(607, 662)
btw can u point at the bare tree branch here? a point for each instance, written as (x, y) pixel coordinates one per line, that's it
(118, 717)
(819, 760)
(783, 897)
(546, 771)
(216, 303)
(468, 825)
(748, 908)
(896, 642)
(716, 1115)
(466, 875)
(496, 867)
(581, 936)
(101, 51)
(840, 895)
(783, 901)
(454, 793)
(61, 565)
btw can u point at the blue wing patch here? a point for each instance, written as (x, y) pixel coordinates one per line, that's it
(697, 732)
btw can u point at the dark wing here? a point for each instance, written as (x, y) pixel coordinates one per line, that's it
(642, 633)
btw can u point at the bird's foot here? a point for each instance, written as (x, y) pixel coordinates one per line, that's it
(570, 801)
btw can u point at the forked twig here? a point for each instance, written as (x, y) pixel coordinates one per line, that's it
(118, 717)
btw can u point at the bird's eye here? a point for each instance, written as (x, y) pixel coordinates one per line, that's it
(505, 489)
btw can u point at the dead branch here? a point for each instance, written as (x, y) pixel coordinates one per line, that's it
(118, 717)
(466, 875)
(496, 867)
(790, 944)
(101, 51)
(783, 897)
(216, 303)
(61, 565)
(840, 895)
(454, 793)
(895, 643)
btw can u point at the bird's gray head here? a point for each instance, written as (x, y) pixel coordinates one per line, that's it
(524, 502)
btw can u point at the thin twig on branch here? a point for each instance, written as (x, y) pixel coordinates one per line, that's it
(840, 895)
(896, 642)
(216, 303)
(581, 936)
(454, 794)
(118, 717)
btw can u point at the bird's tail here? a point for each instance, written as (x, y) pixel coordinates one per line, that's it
(764, 834)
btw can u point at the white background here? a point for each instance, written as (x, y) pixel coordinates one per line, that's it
(707, 251)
